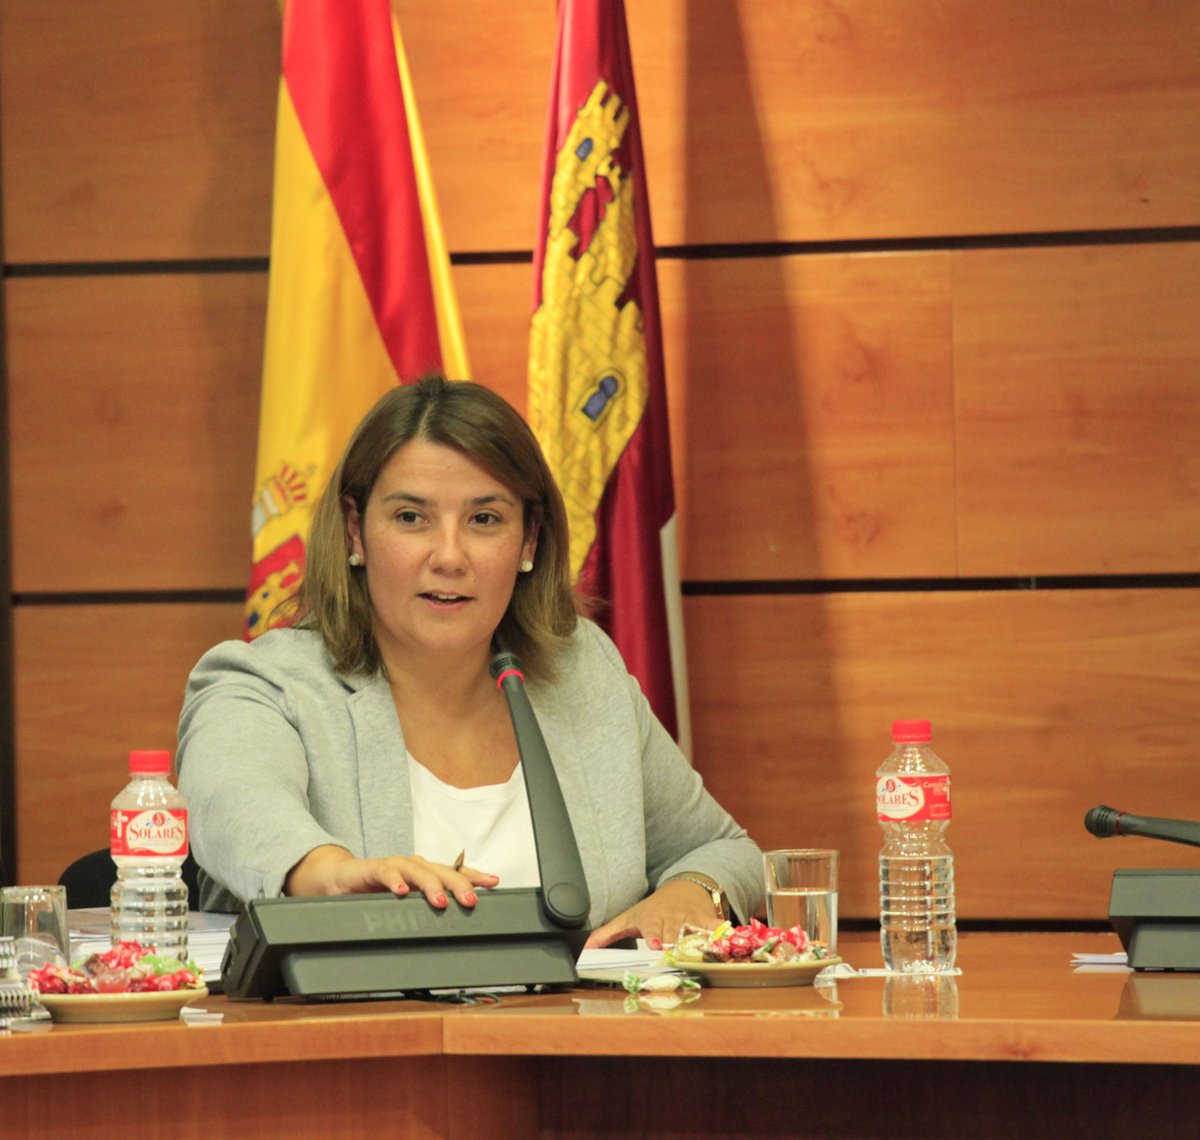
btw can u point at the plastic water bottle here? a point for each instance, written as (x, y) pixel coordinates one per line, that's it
(148, 838)
(916, 870)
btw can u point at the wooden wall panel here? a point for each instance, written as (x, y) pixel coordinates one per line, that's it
(811, 408)
(113, 378)
(1044, 703)
(811, 412)
(93, 682)
(1077, 381)
(136, 129)
(496, 303)
(795, 121)
(133, 416)
(832, 455)
(876, 118)
(856, 436)
(898, 415)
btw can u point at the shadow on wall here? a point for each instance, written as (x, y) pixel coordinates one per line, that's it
(763, 783)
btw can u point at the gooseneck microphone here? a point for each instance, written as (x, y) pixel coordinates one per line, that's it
(564, 886)
(1105, 822)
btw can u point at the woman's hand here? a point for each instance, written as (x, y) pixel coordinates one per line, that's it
(658, 917)
(333, 870)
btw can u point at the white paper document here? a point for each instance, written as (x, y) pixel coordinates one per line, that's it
(612, 965)
(1116, 963)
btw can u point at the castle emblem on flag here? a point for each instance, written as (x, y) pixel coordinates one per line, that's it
(589, 384)
(597, 388)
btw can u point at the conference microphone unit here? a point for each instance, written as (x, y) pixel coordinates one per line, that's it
(353, 947)
(1105, 822)
(1155, 913)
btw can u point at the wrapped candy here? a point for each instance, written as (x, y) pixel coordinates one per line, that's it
(755, 942)
(127, 968)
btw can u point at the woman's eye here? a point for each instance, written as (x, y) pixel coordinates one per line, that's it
(485, 518)
(408, 517)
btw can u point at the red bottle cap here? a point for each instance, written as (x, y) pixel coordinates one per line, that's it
(911, 732)
(147, 761)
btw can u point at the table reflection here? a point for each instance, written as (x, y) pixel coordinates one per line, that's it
(932, 996)
(769, 1001)
(1163, 996)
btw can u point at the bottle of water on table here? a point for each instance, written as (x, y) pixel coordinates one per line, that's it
(148, 839)
(916, 870)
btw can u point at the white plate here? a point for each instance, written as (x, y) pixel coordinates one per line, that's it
(154, 1005)
(747, 974)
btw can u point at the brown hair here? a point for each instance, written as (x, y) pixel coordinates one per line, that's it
(480, 424)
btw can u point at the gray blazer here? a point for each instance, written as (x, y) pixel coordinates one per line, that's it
(279, 753)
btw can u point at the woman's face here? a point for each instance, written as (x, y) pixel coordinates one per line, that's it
(441, 542)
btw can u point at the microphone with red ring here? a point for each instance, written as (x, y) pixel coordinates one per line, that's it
(1105, 822)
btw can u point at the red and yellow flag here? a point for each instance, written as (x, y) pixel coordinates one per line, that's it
(360, 296)
(597, 395)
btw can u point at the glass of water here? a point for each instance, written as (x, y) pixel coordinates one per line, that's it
(37, 918)
(802, 890)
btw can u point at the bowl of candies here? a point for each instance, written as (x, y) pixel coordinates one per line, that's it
(130, 982)
(751, 955)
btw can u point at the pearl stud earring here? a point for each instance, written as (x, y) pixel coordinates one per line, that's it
(526, 566)
(355, 559)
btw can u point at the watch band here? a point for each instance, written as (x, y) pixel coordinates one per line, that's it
(715, 890)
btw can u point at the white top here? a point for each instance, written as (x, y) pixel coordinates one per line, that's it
(491, 824)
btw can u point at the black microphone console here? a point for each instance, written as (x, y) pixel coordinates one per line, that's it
(378, 945)
(1155, 913)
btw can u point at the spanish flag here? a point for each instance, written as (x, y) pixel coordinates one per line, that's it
(597, 395)
(360, 296)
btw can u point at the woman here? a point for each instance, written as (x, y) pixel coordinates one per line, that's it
(364, 748)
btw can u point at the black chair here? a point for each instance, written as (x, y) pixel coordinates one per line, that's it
(89, 880)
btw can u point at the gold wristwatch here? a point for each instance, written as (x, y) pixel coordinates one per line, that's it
(715, 890)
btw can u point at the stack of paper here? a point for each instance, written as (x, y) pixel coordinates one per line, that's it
(611, 966)
(1117, 963)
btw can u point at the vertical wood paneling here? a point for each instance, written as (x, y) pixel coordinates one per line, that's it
(1077, 381)
(496, 303)
(811, 408)
(93, 682)
(811, 404)
(137, 129)
(134, 415)
(1043, 702)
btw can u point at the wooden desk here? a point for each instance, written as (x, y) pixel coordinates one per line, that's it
(1020, 1043)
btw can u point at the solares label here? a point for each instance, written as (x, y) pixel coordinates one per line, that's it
(912, 798)
(158, 831)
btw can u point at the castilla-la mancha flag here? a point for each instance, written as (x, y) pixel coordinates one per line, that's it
(597, 394)
(360, 296)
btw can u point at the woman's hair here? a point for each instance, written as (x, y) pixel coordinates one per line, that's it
(475, 421)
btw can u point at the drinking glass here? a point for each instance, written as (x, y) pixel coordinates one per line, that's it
(802, 891)
(37, 918)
